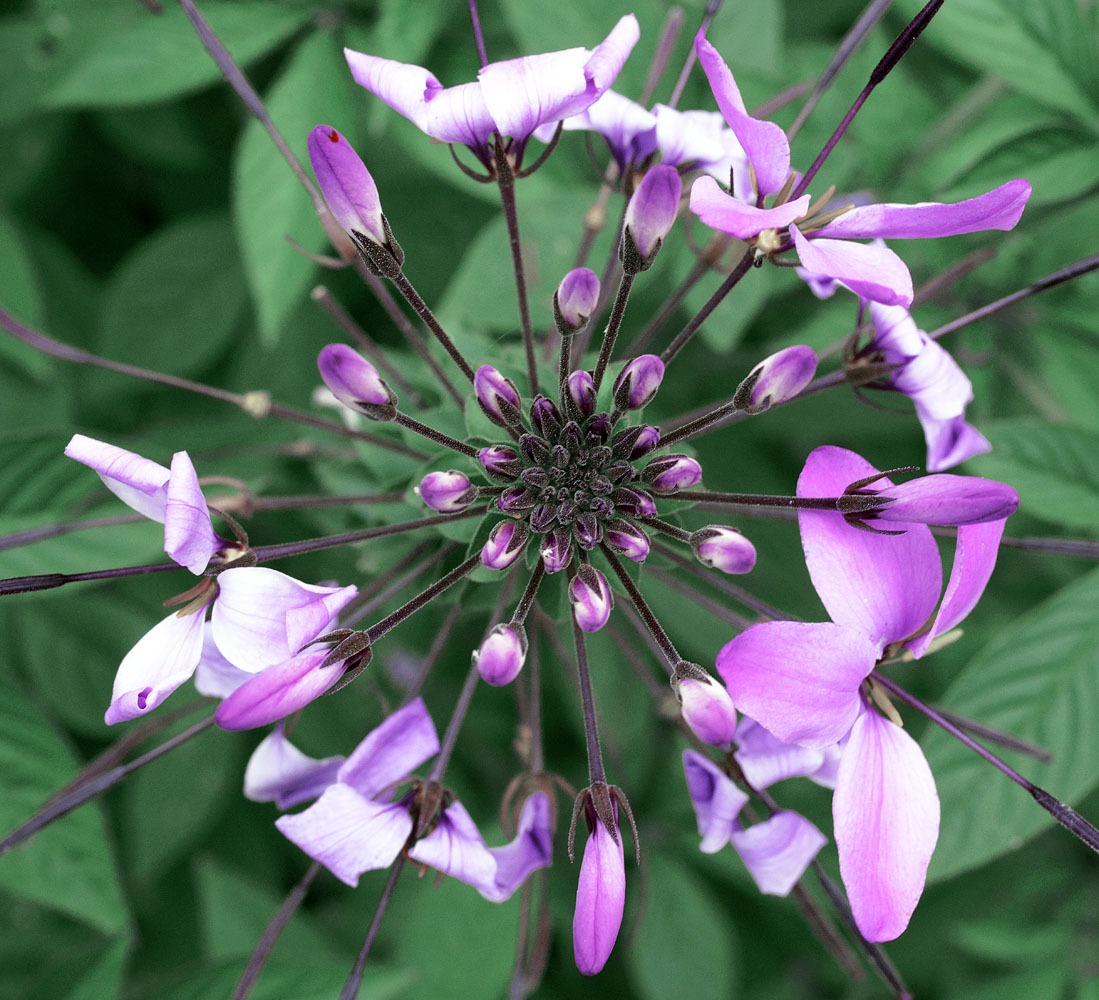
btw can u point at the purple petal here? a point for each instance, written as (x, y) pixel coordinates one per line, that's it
(263, 617)
(885, 586)
(279, 772)
(777, 851)
(948, 499)
(348, 834)
(138, 482)
(456, 848)
(347, 186)
(782, 376)
(950, 442)
(727, 214)
(765, 759)
(459, 114)
(189, 537)
(609, 56)
(765, 144)
(531, 849)
(163, 658)
(651, 212)
(402, 86)
(717, 801)
(630, 130)
(215, 676)
(886, 816)
(392, 751)
(997, 209)
(600, 900)
(974, 560)
(523, 93)
(278, 691)
(708, 710)
(874, 272)
(799, 679)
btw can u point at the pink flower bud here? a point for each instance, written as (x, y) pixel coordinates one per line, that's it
(576, 299)
(546, 418)
(638, 382)
(505, 544)
(777, 379)
(502, 654)
(672, 473)
(723, 548)
(648, 439)
(355, 382)
(600, 900)
(591, 598)
(497, 396)
(627, 539)
(557, 549)
(650, 215)
(581, 390)
(446, 492)
(346, 184)
(706, 706)
(500, 461)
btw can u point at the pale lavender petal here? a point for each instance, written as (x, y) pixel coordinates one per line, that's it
(609, 56)
(885, 586)
(765, 759)
(886, 821)
(630, 129)
(727, 214)
(531, 849)
(874, 272)
(777, 851)
(799, 679)
(346, 184)
(263, 617)
(717, 801)
(402, 86)
(278, 691)
(974, 560)
(996, 209)
(138, 482)
(950, 442)
(189, 537)
(765, 144)
(348, 834)
(459, 114)
(456, 848)
(392, 751)
(949, 499)
(215, 676)
(163, 658)
(600, 900)
(689, 136)
(523, 93)
(279, 772)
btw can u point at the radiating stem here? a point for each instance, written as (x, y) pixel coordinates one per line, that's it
(404, 286)
(444, 583)
(438, 644)
(437, 437)
(596, 772)
(707, 18)
(384, 587)
(769, 500)
(669, 33)
(529, 593)
(351, 987)
(478, 34)
(511, 217)
(708, 604)
(656, 630)
(730, 282)
(672, 302)
(614, 324)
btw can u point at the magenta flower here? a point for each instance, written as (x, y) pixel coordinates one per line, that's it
(807, 682)
(600, 897)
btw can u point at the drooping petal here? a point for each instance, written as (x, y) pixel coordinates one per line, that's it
(279, 772)
(974, 560)
(138, 482)
(874, 272)
(765, 759)
(948, 499)
(163, 658)
(402, 86)
(996, 209)
(727, 214)
(189, 537)
(348, 834)
(777, 851)
(885, 586)
(765, 144)
(263, 617)
(278, 691)
(886, 816)
(630, 129)
(600, 900)
(392, 750)
(717, 801)
(215, 676)
(950, 442)
(531, 849)
(799, 679)
(459, 114)
(456, 848)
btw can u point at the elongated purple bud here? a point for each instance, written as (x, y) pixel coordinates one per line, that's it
(672, 473)
(502, 655)
(646, 441)
(546, 418)
(497, 396)
(706, 705)
(447, 492)
(557, 549)
(776, 379)
(723, 548)
(500, 461)
(355, 382)
(627, 539)
(581, 389)
(649, 217)
(591, 598)
(638, 382)
(505, 544)
(517, 499)
(575, 300)
(949, 500)
(600, 898)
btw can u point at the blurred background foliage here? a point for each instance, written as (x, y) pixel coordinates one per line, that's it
(145, 217)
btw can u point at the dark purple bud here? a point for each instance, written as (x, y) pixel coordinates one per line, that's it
(517, 499)
(627, 539)
(776, 379)
(647, 440)
(557, 549)
(725, 549)
(949, 500)
(581, 389)
(571, 439)
(497, 396)
(447, 492)
(534, 449)
(543, 517)
(706, 705)
(650, 216)
(591, 598)
(638, 382)
(500, 461)
(626, 443)
(575, 300)
(672, 473)
(599, 429)
(502, 654)
(589, 531)
(546, 417)
(636, 503)
(505, 544)
(355, 382)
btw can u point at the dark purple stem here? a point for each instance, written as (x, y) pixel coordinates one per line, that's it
(450, 737)
(596, 772)
(421, 600)
(703, 314)
(351, 987)
(511, 216)
(478, 34)
(655, 629)
(707, 19)
(404, 286)
(614, 324)
(436, 437)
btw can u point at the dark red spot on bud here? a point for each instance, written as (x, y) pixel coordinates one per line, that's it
(334, 136)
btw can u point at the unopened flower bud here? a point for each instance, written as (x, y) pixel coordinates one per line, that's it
(706, 705)
(355, 382)
(500, 461)
(672, 473)
(497, 396)
(591, 598)
(446, 492)
(723, 548)
(627, 539)
(947, 499)
(646, 441)
(546, 418)
(505, 544)
(649, 217)
(581, 389)
(636, 503)
(638, 382)
(517, 499)
(575, 300)
(557, 549)
(776, 379)
(502, 655)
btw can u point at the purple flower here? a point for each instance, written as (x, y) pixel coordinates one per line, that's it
(576, 298)
(777, 379)
(723, 548)
(591, 598)
(581, 391)
(672, 473)
(505, 544)
(638, 382)
(511, 98)
(630, 130)
(496, 395)
(701, 140)
(279, 772)
(706, 705)
(805, 682)
(600, 898)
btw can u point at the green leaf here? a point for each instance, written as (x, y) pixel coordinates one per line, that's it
(103, 980)
(1055, 468)
(67, 866)
(159, 57)
(268, 201)
(21, 296)
(1035, 681)
(280, 981)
